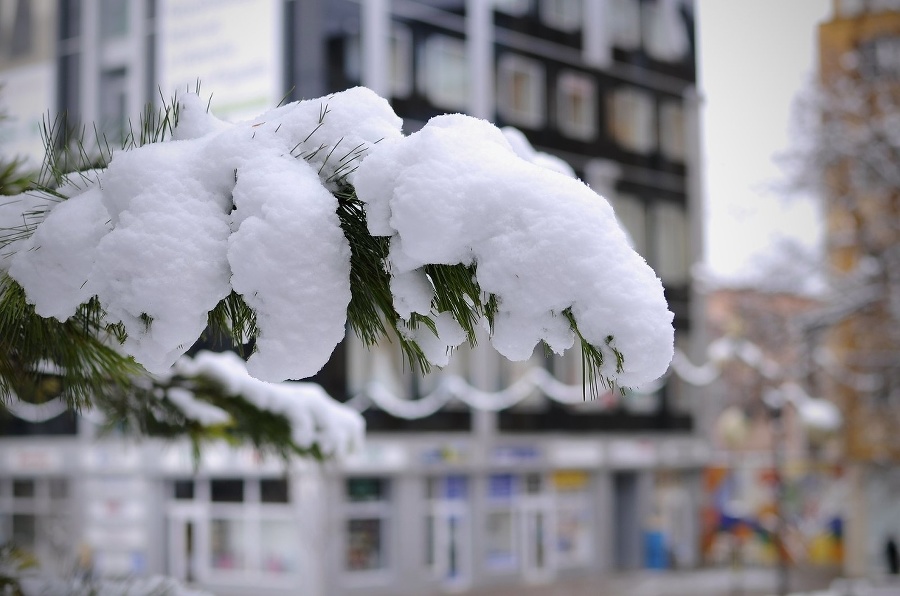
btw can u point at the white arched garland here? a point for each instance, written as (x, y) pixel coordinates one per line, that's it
(537, 379)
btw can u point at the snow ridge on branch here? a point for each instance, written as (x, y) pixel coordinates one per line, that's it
(285, 228)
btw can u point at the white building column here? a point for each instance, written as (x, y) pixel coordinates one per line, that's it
(375, 43)
(480, 54)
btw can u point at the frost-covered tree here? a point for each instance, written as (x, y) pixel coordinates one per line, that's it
(282, 231)
(851, 155)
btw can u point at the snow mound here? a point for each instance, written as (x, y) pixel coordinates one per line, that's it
(170, 229)
(456, 192)
(314, 416)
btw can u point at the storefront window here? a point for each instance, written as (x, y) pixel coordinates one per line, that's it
(34, 517)
(227, 542)
(367, 512)
(573, 529)
(279, 546)
(365, 548)
(500, 540)
(500, 535)
(24, 531)
(241, 525)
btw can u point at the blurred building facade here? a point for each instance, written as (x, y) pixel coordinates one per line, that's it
(860, 77)
(442, 498)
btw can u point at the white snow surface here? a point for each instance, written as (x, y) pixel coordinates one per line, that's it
(170, 229)
(314, 416)
(457, 192)
(196, 409)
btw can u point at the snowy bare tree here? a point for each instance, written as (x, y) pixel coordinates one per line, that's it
(852, 158)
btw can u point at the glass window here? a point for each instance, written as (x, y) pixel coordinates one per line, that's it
(501, 486)
(632, 119)
(273, 490)
(59, 488)
(576, 105)
(625, 23)
(517, 8)
(520, 92)
(226, 491)
(114, 104)
(400, 60)
(69, 19)
(533, 484)
(23, 489)
(564, 15)
(24, 531)
(366, 489)
(227, 544)
(444, 72)
(632, 215)
(671, 130)
(278, 546)
(572, 533)
(430, 534)
(665, 36)
(184, 489)
(672, 260)
(500, 540)
(23, 29)
(365, 544)
(113, 18)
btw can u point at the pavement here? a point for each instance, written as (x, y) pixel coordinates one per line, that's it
(702, 582)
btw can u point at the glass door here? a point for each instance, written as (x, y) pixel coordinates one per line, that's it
(182, 553)
(537, 549)
(537, 530)
(451, 531)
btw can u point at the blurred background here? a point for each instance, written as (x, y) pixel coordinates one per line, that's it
(752, 152)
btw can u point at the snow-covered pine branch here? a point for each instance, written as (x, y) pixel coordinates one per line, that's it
(285, 227)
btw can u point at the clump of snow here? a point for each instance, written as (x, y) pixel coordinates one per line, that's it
(315, 418)
(195, 409)
(523, 148)
(170, 229)
(457, 192)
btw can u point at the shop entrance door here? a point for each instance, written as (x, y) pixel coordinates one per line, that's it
(453, 544)
(536, 532)
(182, 553)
